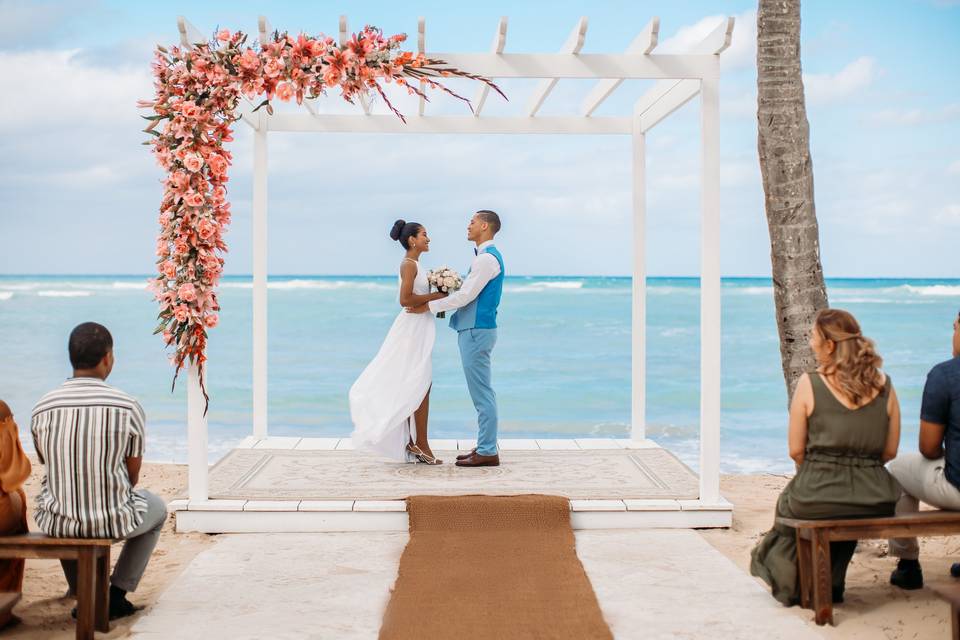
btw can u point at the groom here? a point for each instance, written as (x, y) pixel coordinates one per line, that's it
(475, 322)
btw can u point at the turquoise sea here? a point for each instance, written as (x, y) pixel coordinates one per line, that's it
(561, 366)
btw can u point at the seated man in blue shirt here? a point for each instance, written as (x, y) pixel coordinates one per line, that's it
(933, 475)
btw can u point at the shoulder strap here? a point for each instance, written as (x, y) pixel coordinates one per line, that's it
(818, 385)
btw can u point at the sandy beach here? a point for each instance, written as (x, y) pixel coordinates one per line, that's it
(45, 611)
(873, 609)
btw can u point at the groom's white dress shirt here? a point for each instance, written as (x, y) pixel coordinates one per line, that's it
(484, 269)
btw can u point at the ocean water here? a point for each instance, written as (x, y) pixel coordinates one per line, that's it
(561, 366)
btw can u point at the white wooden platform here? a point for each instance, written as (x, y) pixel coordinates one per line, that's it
(265, 486)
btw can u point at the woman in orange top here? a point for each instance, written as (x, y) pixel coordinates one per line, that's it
(14, 470)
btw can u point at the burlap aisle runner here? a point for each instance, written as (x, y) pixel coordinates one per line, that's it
(491, 567)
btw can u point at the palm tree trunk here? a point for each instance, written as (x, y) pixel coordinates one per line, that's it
(799, 291)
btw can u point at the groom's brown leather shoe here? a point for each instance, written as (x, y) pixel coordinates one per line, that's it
(464, 456)
(477, 460)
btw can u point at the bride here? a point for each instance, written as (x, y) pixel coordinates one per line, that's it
(390, 401)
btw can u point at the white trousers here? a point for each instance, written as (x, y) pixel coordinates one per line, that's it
(922, 481)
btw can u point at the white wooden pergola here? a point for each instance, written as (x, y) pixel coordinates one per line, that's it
(680, 78)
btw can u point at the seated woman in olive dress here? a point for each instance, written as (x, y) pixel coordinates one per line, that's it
(14, 470)
(844, 425)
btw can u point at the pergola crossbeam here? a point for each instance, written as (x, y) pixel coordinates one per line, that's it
(450, 124)
(189, 34)
(571, 47)
(499, 41)
(667, 96)
(584, 66)
(644, 43)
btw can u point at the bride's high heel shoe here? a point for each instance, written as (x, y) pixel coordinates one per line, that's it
(425, 458)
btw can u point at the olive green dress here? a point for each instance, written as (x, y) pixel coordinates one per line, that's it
(842, 476)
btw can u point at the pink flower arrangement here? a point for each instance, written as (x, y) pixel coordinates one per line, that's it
(196, 95)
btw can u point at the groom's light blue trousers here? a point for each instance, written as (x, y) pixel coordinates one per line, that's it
(475, 348)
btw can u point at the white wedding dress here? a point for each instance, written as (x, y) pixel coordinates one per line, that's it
(393, 385)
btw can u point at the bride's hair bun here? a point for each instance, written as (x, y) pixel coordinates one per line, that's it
(397, 228)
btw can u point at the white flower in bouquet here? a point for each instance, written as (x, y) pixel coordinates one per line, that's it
(446, 280)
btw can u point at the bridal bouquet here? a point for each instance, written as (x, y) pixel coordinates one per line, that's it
(446, 280)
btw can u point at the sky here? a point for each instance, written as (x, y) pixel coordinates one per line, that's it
(79, 194)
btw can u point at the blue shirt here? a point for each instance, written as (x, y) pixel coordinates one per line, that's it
(941, 405)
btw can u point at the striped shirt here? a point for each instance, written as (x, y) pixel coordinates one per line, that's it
(83, 433)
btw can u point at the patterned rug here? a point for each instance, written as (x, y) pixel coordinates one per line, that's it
(619, 474)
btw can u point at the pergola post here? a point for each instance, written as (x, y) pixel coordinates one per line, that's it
(638, 392)
(710, 315)
(260, 278)
(196, 437)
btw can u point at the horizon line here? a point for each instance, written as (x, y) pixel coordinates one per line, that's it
(389, 275)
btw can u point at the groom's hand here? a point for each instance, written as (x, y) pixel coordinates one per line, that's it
(421, 309)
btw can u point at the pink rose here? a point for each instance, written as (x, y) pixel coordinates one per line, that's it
(206, 229)
(193, 162)
(250, 60)
(189, 109)
(194, 199)
(187, 292)
(272, 68)
(284, 91)
(217, 164)
(180, 247)
(181, 313)
(170, 269)
(211, 320)
(163, 249)
(219, 194)
(223, 35)
(331, 76)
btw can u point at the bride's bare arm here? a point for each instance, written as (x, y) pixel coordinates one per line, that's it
(408, 273)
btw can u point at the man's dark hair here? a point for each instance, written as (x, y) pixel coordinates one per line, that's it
(89, 342)
(491, 218)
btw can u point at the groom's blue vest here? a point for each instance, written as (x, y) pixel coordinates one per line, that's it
(481, 313)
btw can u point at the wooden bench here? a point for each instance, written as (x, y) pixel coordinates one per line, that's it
(93, 572)
(7, 602)
(813, 547)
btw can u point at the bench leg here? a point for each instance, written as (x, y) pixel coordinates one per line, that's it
(822, 592)
(955, 611)
(103, 591)
(804, 562)
(86, 593)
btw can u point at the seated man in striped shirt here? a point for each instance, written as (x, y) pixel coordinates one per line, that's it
(90, 438)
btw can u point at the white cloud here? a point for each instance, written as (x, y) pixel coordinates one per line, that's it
(912, 117)
(825, 88)
(71, 93)
(949, 214)
(743, 45)
(954, 168)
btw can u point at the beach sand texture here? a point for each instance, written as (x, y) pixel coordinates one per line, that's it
(873, 609)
